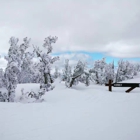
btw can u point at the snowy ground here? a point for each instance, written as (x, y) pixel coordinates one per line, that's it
(80, 113)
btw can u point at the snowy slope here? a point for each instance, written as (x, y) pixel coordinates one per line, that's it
(79, 113)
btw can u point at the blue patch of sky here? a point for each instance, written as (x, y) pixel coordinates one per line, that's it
(98, 56)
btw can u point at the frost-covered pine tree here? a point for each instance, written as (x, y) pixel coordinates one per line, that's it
(46, 61)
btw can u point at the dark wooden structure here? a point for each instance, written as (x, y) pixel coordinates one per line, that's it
(131, 85)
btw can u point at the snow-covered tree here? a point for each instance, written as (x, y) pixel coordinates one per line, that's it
(13, 68)
(98, 71)
(109, 72)
(136, 69)
(85, 77)
(80, 74)
(1, 78)
(26, 72)
(74, 78)
(67, 73)
(3, 97)
(125, 71)
(56, 73)
(16, 60)
(46, 61)
(36, 74)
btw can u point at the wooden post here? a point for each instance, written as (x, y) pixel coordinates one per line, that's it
(109, 85)
(130, 89)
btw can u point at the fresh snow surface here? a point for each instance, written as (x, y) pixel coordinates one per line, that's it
(78, 113)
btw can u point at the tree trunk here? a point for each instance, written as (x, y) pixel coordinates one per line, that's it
(45, 78)
(50, 78)
(97, 80)
(71, 83)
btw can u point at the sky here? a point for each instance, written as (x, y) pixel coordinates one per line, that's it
(85, 28)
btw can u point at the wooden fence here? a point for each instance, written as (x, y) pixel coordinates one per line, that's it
(131, 85)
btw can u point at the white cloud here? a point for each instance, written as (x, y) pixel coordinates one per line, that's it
(110, 26)
(123, 49)
(73, 59)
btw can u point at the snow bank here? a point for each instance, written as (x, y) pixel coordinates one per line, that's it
(78, 113)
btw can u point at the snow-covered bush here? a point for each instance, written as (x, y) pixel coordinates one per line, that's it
(29, 97)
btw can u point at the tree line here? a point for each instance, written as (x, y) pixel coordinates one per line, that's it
(22, 69)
